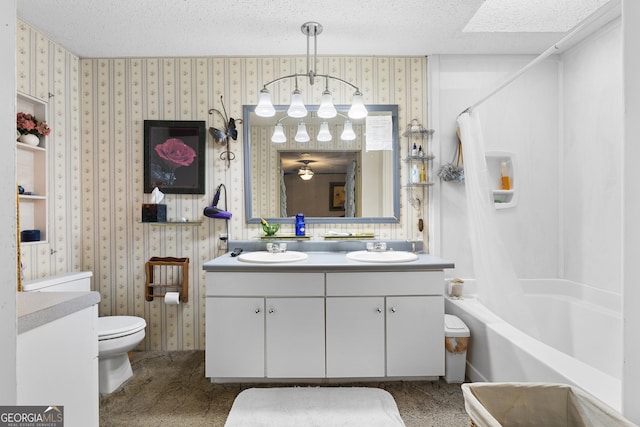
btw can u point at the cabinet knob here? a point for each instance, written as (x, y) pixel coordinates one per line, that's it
(379, 310)
(271, 310)
(393, 309)
(257, 310)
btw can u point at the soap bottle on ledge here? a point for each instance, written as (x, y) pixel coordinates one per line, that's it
(300, 228)
(505, 181)
(423, 173)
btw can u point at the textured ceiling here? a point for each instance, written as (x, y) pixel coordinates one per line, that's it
(119, 28)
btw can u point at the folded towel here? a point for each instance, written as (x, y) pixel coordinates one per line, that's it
(314, 406)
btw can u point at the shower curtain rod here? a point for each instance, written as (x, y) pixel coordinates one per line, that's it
(604, 10)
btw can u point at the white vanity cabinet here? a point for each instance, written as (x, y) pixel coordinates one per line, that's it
(262, 325)
(355, 337)
(385, 324)
(415, 327)
(235, 337)
(295, 337)
(58, 364)
(324, 324)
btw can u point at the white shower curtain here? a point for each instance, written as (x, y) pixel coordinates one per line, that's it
(498, 285)
(283, 194)
(350, 191)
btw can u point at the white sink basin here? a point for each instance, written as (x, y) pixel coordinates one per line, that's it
(387, 256)
(264, 257)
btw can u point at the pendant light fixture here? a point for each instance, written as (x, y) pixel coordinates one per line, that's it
(297, 108)
(305, 173)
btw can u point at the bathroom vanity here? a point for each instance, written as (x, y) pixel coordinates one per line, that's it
(324, 317)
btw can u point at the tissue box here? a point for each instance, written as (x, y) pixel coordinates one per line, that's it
(152, 212)
(30, 236)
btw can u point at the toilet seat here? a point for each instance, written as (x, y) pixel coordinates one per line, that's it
(110, 327)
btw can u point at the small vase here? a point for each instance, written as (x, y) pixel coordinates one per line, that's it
(30, 139)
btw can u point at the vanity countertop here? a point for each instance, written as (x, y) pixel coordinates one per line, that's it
(324, 261)
(38, 308)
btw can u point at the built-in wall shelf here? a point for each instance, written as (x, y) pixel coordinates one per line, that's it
(419, 184)
(496, 162)
(172, 223)
(32, 173)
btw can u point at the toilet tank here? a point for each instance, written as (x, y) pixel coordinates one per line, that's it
(76, 281)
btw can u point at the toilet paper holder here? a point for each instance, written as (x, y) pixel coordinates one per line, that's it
(167, 274)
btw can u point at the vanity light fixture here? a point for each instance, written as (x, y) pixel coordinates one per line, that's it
(324, 134)
(302, 135)
(347, 132)
(278, 135)
(297, 108)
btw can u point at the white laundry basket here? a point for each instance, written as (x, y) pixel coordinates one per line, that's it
(456, 340)
(536, 404)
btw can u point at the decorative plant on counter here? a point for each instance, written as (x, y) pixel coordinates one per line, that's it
(27, 124)
(269, 229)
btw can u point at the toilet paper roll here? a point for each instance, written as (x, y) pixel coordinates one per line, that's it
(172, 298)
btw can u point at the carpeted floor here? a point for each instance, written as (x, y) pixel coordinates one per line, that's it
(170, 389)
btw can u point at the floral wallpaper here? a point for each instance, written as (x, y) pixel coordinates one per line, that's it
(96, 163)
(50, 73)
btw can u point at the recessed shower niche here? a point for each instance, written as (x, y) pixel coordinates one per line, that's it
(501, 167)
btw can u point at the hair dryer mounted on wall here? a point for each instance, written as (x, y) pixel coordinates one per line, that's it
(213, 211)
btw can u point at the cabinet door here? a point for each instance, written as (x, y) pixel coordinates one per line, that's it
(295, 337)
(58, 362)
(415, 336)
(235, 337)
(355, 337)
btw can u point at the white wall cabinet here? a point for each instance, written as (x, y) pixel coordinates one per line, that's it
(272, 325)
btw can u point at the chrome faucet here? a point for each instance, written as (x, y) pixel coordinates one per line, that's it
(275, 248)
(376, 246)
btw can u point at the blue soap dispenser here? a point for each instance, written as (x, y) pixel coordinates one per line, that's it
(300, 225)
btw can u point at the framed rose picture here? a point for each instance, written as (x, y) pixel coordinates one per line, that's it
(174, 156)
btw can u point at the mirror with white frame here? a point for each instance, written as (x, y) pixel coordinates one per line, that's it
(332, 177)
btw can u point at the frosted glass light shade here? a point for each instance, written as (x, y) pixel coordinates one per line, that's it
(305, 174)
(265, 107)
(302, 135)
(327, 110)
(297, 108)
(347, 133)
(278, 134)
(357, 110)
(324, 135)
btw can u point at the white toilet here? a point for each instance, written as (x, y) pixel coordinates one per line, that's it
(117, 335)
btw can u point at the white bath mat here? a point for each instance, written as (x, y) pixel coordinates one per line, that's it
(314, 406)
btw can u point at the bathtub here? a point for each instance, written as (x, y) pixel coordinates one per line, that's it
(580, 338)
